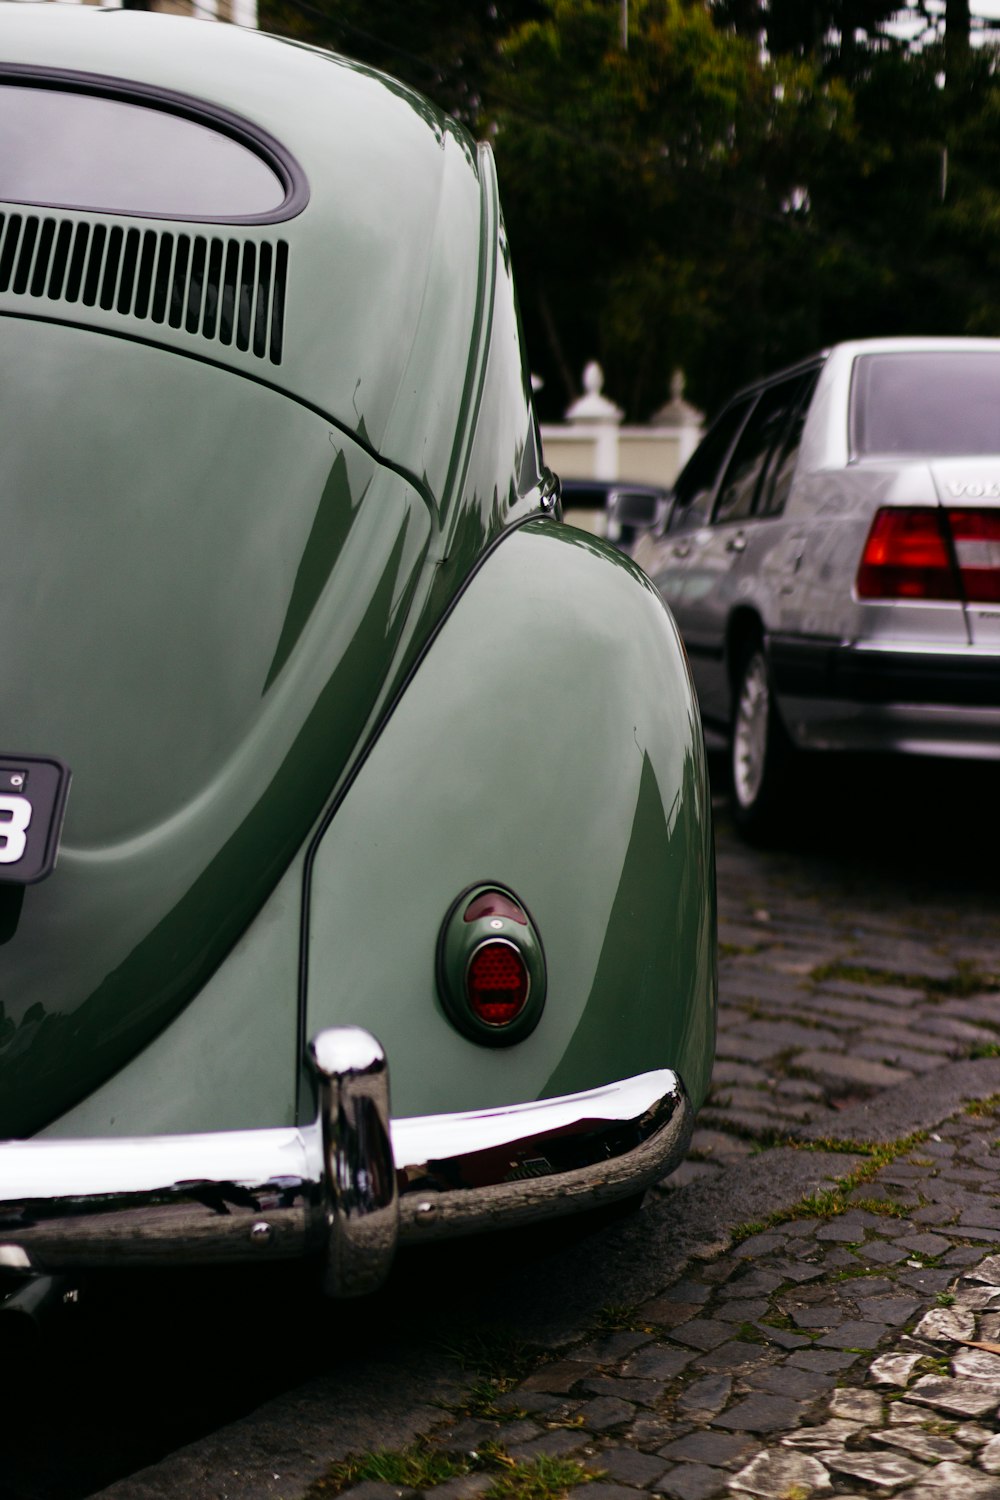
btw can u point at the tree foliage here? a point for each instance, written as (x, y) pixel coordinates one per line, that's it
(748, 180)
(659, 197)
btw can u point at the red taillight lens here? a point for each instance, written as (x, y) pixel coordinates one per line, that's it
(907, 556)
(497, 983)
(976, 534)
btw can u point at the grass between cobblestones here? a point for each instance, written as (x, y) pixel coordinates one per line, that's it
(829, 1202)
(500, 1361)
(418, 1467)
(743, 950)
(967, 979)
(622, 1317)
(980, 1108)
(423, 1467)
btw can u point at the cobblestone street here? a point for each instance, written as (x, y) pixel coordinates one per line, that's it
(810, 1306)
(843, 1355)
(828, 996)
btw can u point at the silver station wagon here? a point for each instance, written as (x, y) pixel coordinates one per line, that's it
(832, 558)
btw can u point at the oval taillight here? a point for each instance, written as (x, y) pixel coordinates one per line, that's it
(491, 975)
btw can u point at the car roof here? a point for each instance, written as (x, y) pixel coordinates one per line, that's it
(850, 349)
(913, 344)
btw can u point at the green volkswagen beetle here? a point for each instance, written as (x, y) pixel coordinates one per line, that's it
(326, 750)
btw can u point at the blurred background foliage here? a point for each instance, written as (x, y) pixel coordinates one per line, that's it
(743, 182)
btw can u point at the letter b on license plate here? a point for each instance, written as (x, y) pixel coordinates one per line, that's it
(32, 800)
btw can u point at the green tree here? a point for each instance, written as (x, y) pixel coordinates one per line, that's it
(912, 204)
(659, 199)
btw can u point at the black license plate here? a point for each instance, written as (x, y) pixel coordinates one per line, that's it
(32, 801)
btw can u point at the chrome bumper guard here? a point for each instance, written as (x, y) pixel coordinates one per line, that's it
(352, 1186)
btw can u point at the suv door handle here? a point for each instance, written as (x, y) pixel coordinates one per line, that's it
(681, 549)
(737, 543)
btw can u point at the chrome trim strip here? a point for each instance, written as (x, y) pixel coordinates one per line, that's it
(349, 1186)
(490, 1169)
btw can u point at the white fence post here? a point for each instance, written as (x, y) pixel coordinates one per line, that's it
(594, 413)
(592, 443)
(681, 417)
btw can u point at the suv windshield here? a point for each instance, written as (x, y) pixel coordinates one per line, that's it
(926, 402)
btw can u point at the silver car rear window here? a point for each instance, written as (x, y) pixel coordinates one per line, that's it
(927, 402)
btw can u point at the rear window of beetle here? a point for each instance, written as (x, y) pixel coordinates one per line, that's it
(69, 149)
(924, 403)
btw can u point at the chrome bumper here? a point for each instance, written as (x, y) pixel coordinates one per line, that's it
(350, 1187)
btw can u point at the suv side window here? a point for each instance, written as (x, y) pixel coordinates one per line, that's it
(695, 484)
(760, 437)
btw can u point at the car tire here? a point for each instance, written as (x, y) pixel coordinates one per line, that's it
(760, 752)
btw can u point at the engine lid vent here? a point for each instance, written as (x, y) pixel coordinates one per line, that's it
(227, 290)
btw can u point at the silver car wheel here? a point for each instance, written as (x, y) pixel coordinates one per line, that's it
(751, 727)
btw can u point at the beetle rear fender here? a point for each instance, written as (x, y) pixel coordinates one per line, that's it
(548, 743)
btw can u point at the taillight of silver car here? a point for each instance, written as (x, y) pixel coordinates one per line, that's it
(924, 553)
